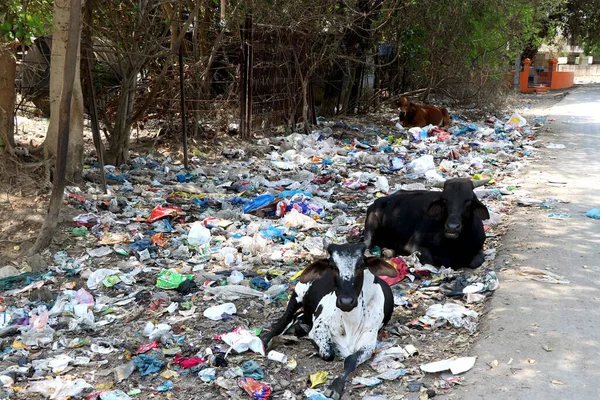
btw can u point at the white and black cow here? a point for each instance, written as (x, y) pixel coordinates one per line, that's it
(344, 305)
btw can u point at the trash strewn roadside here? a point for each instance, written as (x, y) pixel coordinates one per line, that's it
(164, 285)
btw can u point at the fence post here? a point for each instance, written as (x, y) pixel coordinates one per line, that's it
(243, 82)
(183, 116)
(524, 78)
(246, 79)
(249, 73)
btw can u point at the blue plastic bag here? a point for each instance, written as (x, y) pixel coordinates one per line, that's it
(258, 202)
(593, 213)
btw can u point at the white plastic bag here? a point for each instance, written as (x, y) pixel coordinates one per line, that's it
(99, 275)
(199, 235)
(516, 120)
(419, 166)
(241, 340)
(456, 366)
(382, 184)
(59, 388)
(216, 312)
(295, 219)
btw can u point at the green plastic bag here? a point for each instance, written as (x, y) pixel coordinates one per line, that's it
(80, 231)
(171, 279)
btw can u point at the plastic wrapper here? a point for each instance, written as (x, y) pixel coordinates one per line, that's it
(241, 340)
(256, 390)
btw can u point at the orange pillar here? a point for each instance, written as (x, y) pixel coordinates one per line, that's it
(552, 66)
(524, 78)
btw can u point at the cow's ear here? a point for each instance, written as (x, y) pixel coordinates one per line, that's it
(480, 210)
(379, 267)
(314, 271)
(436, 208)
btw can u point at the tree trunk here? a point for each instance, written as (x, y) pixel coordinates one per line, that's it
(8, 67)
(333, 88)
(355, 88)
(170, 13)
(60, 32)
(118, 142)
(69, 73)
(223, 9)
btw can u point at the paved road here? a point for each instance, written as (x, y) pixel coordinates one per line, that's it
(526, 316)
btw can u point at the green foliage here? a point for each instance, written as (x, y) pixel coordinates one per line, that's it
(22, 21)
(465, 48)
(581, 24)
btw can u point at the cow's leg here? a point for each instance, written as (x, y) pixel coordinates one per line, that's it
(425, 255)
(336, 389)
(321, 337)
(371, 225)
(283, 322)
(477, 260)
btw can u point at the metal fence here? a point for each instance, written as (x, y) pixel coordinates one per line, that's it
(254, 81)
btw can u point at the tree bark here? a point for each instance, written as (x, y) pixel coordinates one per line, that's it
(61, 13)
(8, 67)
(118, 141)
(70, 73)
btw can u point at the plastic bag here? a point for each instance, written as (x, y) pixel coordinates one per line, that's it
(233, 292)
(171, 279)
(148, 364)
(161, 212)
(199, 235)
(216, 312)
(516, 120)
(455, 314)
(207, 374)
(456, 365)
(259, 202)
(382, 184)
(593, 213)
(235, 278)
(59, 388)
(100, 251)
(252, 369)
(419, 166)
(241, 340)
(256, 390)
(114, 395)
(98, 276)
(295, 219)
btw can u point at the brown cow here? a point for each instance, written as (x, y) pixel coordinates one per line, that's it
(412, 114)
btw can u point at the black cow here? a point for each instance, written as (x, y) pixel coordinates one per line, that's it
(445, 227)
(344, 304)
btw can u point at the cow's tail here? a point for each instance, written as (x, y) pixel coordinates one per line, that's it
(445, 117)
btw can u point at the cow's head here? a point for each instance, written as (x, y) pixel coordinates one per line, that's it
(458, 205)
(346, 264)
(404, 104)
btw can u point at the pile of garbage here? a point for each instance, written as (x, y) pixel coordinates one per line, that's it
(163, 285)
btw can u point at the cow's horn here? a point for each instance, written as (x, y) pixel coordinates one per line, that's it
(480, 182)
(439, 184)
